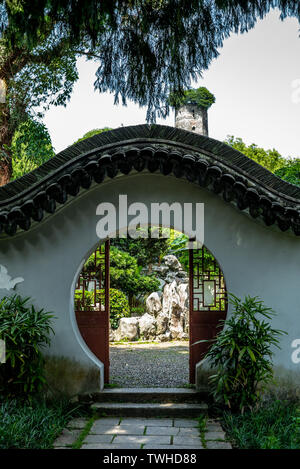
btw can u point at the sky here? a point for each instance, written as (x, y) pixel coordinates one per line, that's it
(255, 79)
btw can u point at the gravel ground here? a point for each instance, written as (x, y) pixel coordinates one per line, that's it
(150, 365)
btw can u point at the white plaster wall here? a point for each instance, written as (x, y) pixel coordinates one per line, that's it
(256, 260)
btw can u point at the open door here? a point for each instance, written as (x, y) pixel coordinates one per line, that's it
(92, 304)
(207, 303)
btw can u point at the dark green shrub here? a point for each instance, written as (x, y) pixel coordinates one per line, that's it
(34, 424)
(241, 354)
(119, 307)
(25, 330)
(273, 425)
(138, 310)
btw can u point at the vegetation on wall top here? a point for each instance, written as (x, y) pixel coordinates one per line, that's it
(200, 96)
(287, 169)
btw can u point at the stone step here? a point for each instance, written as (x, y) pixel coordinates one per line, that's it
(133, 409)
(148, 395)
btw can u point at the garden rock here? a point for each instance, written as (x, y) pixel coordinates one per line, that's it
(162, 323)
(147, 324)
(153, 304)
(164, 337)
(128, 329)
(170, 298)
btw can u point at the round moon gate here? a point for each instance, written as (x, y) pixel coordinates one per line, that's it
(207, 304)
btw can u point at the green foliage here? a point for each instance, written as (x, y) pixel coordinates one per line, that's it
(45, 80)
(146, 251)
(241, 354)
(34, 78)
(200, 96)
(145, 48)
(137, 310)
(91, 133)
(178, 247)
(274, 425)
(270, 159)
(25, 330)
(31, 147)
(119, 307)
(290, 172)
(125, 274)
(33, 425)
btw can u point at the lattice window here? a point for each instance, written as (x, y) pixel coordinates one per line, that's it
(90, 288)
(209, 290)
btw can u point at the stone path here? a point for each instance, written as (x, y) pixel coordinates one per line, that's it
(143, 433)
(162, 364)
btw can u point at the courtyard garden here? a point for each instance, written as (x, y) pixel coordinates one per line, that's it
(253, 411)
(149, 342)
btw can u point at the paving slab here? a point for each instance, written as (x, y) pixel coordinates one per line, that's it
(155, 440)
(213, 427)
(188, 441)
(215, 435)
(162, 431)
(218, 445)
(111, 446)
(118, 429)
(151, 433)
(98, 439)
(185, 423)
(190, 431)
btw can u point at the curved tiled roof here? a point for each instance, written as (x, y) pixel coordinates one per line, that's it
(154, 148)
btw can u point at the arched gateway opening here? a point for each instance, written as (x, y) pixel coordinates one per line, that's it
(206, 300)
(48, 220)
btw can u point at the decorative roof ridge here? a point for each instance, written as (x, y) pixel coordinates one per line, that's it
(208, 162)
(201, 143)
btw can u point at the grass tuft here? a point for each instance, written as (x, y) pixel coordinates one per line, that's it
(34, 425)
(274, 425)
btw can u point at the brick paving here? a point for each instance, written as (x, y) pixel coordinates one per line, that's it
(143, 433)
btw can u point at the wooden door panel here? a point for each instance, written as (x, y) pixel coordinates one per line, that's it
(92, 304)
(207, 308)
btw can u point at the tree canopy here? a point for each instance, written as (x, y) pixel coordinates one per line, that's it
(290, 172)
(146, 49)
(31, 147)
(270, 159)
(31, 80)
(91, 133)
(285, 168)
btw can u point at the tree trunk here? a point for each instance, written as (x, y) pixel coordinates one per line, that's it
(6, 135)
(5, 172)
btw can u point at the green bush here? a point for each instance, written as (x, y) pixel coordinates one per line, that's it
(119, 307)
(137, 310)
(241, 354)
(274, 425)
(34, 425)
(25, 330)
